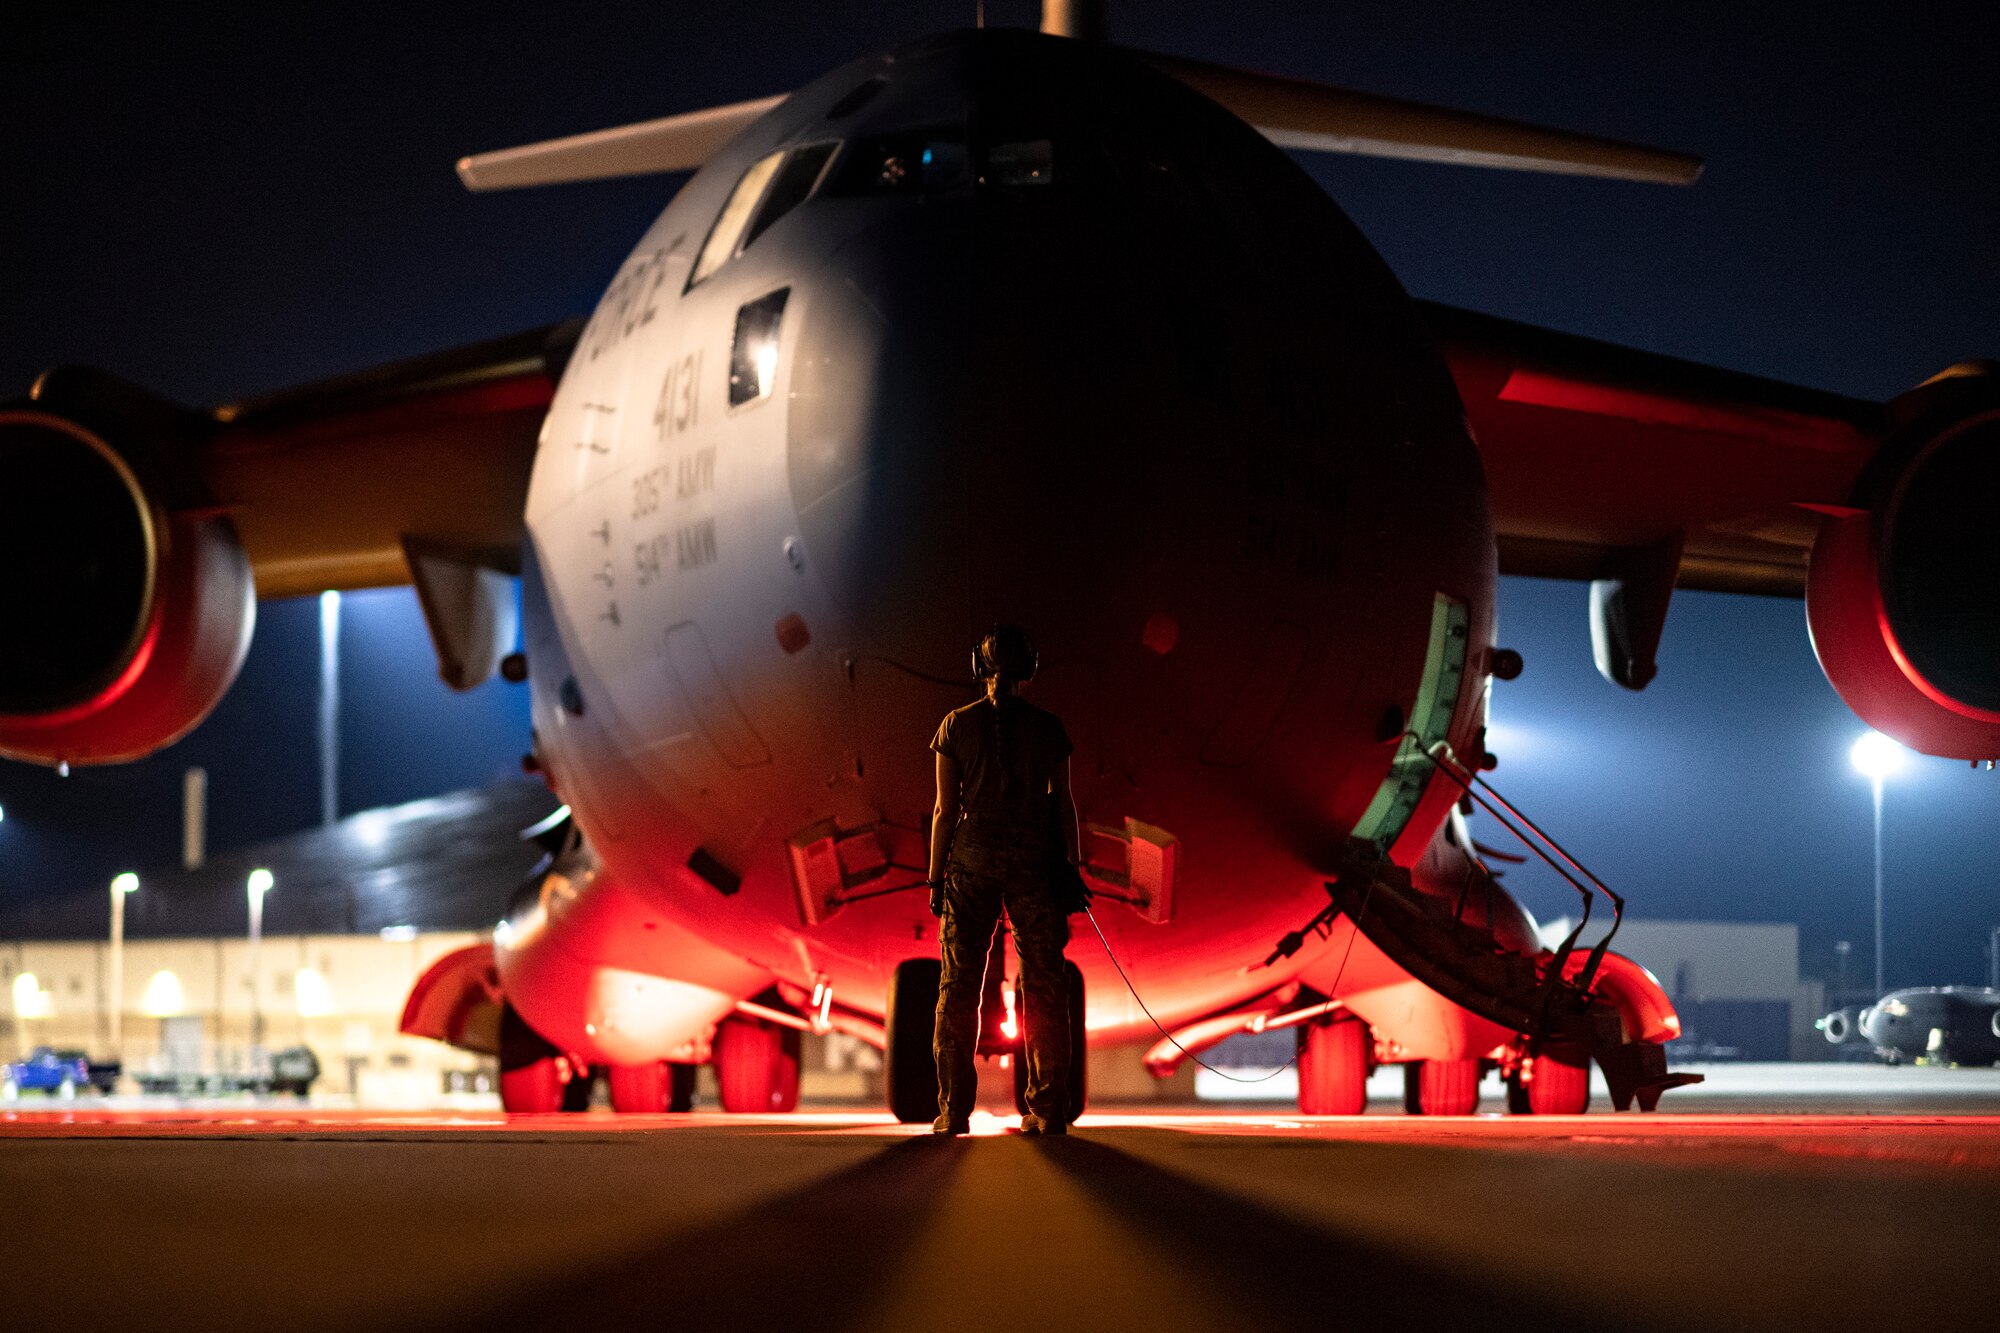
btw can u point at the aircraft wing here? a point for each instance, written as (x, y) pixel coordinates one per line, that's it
(1605, 463)
(326, 483)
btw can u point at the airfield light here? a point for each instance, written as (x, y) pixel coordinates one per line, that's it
(122, 883)
(259, 884)
(30, 1000)
(314, 996)
(1875, 756)
(164, 997)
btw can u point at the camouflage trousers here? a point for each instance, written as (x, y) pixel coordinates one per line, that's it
(985, 875)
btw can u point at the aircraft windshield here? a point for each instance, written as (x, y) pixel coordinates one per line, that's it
(793, 187)
(736, 214)
(920, 162)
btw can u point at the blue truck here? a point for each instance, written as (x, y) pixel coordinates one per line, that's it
(59, 1073)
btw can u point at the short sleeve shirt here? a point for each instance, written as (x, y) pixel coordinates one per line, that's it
(1007, 753)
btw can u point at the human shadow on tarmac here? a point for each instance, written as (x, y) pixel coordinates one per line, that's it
(1291, 1274)
(810, 1258)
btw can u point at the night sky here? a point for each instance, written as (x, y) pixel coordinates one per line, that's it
(216, 208)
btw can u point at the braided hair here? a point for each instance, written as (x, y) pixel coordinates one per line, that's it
(1007, 658)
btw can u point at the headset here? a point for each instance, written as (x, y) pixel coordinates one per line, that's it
(1011, 647)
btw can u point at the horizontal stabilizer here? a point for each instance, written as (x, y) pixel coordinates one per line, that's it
(672, 143)
(1293, 113)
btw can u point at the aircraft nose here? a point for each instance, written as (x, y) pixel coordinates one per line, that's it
(874, 451)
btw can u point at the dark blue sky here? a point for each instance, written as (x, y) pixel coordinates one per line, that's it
(219, 207)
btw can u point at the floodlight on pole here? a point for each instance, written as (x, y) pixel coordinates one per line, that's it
(1877, 758)
(259, 884)
(123, 883)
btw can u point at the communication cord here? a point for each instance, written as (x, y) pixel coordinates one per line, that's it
(1137, 999)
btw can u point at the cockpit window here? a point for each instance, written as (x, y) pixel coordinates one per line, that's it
(856, 97)
(1030, 163)
(735, 216)
(753, 356)
(922, 162)
(793, 187)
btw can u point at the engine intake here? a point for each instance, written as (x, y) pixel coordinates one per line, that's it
(126, 605)
(1903, 592)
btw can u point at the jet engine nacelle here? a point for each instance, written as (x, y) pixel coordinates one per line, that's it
(126, 601)
(1903, 592)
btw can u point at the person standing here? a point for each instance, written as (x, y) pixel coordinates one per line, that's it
(1004, 815)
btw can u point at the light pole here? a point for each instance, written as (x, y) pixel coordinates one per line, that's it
(121, 884)
(259, 885)
(1877, 757)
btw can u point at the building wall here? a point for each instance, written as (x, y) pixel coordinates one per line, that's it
(348, 1017)
(1735, 982)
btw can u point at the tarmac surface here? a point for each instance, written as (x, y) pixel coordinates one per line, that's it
(307, 1219)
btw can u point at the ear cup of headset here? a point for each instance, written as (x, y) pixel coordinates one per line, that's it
(1013, 654)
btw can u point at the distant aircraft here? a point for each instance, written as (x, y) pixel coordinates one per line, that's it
(1955, 1025)
(1000, 325)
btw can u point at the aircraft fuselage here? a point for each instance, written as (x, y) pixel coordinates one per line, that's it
(1049, 339)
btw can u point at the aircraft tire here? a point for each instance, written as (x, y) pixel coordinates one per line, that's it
(640, 1089)
(1448, 1087)
(1561, 1085)
(1079, 1053)
(910, 1066)
(1333, 1067)
(756, 1066)
(531, 1070)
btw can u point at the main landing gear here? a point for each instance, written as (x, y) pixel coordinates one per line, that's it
(649, 1089)
(1442, 1087)
(534, 1075)
(1554, 1082)
(537, 1077)
(756, 1065)
(912, 1077)
(1334, 1059)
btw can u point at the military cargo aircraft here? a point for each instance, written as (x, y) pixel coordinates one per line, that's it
(1005, 325)
(1956, 1025)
